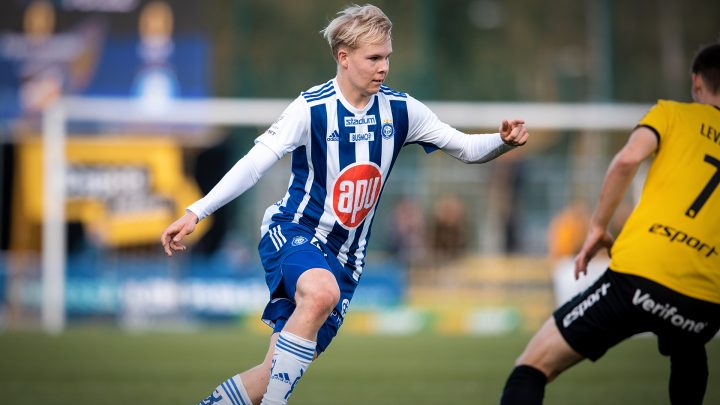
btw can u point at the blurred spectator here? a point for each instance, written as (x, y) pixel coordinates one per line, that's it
(448, 235)
(41, 63)
(156, 82)
(568, 229)
(504, 214)
(407, 233)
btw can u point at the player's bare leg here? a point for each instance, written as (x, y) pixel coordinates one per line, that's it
(246, 388)
(316, 295)
(255, 379)
(545, 357)
(549, 352)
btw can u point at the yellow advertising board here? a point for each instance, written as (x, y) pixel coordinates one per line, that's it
(123, 189)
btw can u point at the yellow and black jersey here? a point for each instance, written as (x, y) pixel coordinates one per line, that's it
(673, 235)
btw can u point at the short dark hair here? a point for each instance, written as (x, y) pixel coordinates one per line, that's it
(707, 65)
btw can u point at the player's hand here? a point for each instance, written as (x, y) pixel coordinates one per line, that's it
(513, 132)
(598, 238)
(174, 233)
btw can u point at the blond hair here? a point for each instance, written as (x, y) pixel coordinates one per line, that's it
(356, 24)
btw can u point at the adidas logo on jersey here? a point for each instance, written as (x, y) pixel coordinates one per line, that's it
(334, 137)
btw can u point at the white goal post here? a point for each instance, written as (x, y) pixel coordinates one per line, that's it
(254, 112)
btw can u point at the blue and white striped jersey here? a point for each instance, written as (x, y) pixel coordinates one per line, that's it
(341, 159)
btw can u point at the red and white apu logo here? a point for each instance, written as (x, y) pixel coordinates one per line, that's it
(355, 193)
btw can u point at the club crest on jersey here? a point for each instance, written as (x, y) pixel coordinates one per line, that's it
(299, 240)
(388, 130)
(355, 193)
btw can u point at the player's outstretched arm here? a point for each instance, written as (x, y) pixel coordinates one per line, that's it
(175, 233)
(243, 175)
(513, 132)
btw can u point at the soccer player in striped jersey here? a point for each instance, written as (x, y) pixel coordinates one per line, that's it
(344, 137)
(664, 272)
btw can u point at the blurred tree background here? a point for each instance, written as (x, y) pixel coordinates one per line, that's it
(468, 50)
(479, 50)
(483, 50)
(489, 227)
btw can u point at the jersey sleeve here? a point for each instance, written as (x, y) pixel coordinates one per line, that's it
(425, 128)
(289, 131)
(658, 119)
(243, 175)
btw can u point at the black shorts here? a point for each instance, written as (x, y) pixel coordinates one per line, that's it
(620, 305)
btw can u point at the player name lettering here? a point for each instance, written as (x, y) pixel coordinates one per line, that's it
(710, 133)
(678, 236)
(666, 312)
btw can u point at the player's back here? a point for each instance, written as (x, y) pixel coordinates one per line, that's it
(672, 235)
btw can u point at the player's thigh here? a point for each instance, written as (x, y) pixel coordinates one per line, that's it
(549, 352)
(305, 271)
(255, 380)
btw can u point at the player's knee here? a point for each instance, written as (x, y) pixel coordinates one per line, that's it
(324, 299)
(318, 293)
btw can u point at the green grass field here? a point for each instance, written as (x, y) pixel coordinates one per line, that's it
(107, 366)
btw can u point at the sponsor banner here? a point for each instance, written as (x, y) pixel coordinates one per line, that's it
(207, 292)
(118, 48)
(123, 189)
(409, 320)
(154, 296)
